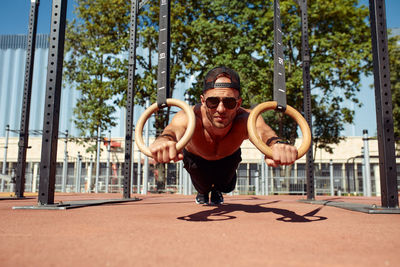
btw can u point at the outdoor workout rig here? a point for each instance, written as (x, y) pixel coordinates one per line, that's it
(279, 94)
(52, 109)
(163, 91)
(387, 163)
(279, 103)
(382, 90)
(163, 84)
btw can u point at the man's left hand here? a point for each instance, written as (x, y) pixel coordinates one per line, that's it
(282, 154)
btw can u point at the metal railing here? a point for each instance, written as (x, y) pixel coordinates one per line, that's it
(251, 180)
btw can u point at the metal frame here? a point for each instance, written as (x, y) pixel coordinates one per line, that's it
(307, 96)
(384, 117)
(26, 101)
(136, 5)
(130, 101)
(383, 99)
(51, 117)
(53, 95)
(52, 103)
(365, 208)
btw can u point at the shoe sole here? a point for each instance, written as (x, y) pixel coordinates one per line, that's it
(213, 203)
(200, 203)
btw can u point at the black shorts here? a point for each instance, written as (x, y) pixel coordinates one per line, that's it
(206, 173)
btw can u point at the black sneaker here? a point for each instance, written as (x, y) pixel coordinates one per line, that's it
(202, 198)
(216, 197)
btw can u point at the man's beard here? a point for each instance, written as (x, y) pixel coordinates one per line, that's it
(219, 124)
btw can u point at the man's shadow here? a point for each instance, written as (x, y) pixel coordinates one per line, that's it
(222, 213)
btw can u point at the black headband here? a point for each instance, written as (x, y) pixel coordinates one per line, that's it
(212, 85)
(211, 77)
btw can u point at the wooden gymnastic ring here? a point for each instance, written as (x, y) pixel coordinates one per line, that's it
(153, 108)
(271, 105)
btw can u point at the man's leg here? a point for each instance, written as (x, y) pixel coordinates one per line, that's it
(216, 176)
(196, 167)
(224, 175)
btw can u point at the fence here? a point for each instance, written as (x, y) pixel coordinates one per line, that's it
(252, 178)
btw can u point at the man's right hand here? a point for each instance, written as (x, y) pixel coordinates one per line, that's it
(164, 151)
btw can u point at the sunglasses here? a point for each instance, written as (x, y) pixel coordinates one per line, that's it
(213, 102)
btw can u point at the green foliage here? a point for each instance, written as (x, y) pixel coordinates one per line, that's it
(239, 34)
(94, 65)
(235, 33)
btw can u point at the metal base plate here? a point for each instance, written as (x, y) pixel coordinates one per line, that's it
(14, 198)
(75, 204)
(370, 209)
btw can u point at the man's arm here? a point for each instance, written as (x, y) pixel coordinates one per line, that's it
(164, 147)
(282, 154)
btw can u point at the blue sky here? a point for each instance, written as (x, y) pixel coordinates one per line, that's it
(14, 16)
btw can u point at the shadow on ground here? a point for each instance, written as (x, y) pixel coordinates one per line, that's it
(224, 212)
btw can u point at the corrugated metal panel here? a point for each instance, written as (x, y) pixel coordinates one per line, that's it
(12, 72)
(20, 41)
(12, 67)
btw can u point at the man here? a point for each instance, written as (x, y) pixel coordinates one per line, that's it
(213, 154)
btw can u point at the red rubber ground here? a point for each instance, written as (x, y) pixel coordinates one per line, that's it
(171, 230)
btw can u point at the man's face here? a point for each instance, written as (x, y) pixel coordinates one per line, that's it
(221, 115)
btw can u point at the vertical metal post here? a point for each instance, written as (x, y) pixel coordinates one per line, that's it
(307, 97)
(4, 169)
(130, 99)
(331, 177)
(65, 164)
(364, 183)
(257, 183)
(108, 160)
(377, 180)
(266, 178)
(12, 184)
(35, 176)
(345, 185)
(132, 163)
(26, 101)
(189, 183)
(146, 158)
(139, 171)
(247, 178)
(184, 181)
(52, 103)
(383, 98)
(77, 173)
(96, 186)
(262, 175)
(90, 171)
(367, 165)
(180, 183)
(80, 173)
(28, 180)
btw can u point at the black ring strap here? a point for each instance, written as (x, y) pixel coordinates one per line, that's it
(279, 66)
(164, 54)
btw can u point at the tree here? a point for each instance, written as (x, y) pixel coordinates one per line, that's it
(340, 53)
(94, 65)
(146, 84)
(235, 33)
